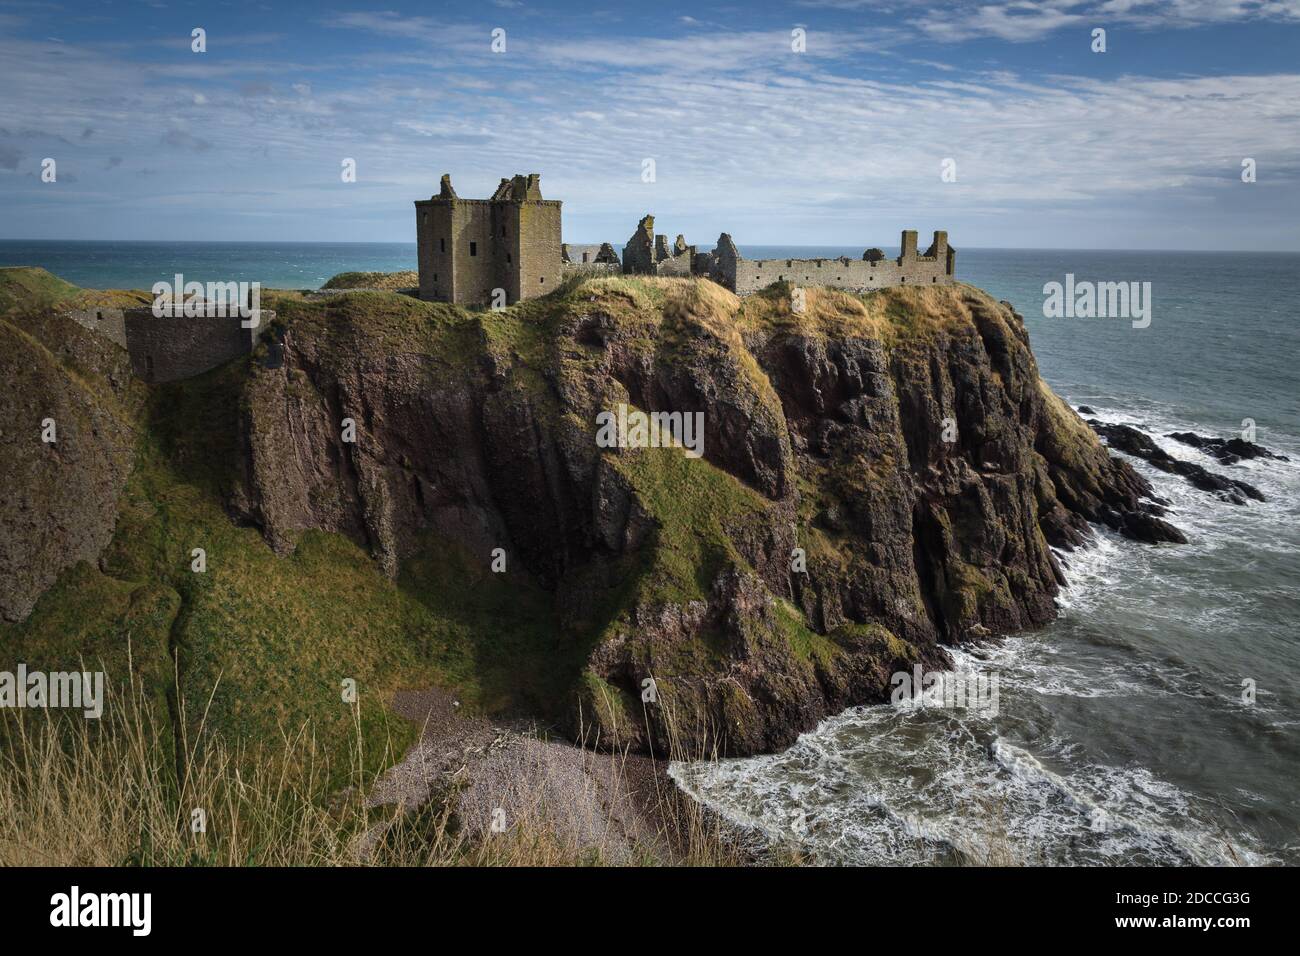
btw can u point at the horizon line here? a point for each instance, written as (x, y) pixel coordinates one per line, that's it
(790, 245)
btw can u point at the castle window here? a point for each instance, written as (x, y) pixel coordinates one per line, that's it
(442, 245)
(473, 248)
(503, 232)
(542, 279)
(507, 258)
(424, 218)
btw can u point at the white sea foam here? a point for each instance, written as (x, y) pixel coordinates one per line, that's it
(906, 785)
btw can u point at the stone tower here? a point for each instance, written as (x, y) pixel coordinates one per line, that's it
(467, 248)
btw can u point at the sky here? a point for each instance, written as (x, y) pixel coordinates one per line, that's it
(817, 122)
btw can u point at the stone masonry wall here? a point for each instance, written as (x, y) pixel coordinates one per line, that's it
(167, 349)
(107, 322)
(466, 248)
(746, 276)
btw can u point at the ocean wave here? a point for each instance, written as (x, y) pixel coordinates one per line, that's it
(863, 790)
(1137, 626)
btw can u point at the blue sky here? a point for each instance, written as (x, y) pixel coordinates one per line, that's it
(1054, 145)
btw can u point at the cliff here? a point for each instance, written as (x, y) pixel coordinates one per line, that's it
(68, 406)
(823, 431)
(882, 476)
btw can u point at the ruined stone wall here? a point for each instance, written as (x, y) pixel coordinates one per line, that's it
(167, 349)
(591, 269)
(746, 276)
(639, 250)
(600, 252)
(679, 265)
(649, 254)
(107, 322)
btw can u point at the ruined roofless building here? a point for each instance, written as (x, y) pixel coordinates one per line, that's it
(468, 248)
(727, 267)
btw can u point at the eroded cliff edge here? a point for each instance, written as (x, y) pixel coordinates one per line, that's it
(825, 431)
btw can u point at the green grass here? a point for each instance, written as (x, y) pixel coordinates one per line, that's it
(408, 279)
(692, 503)
(31, 287)
(25, 286)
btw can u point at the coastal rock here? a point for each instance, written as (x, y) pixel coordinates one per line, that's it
(1228, 451)
(1135, 442)
(880, 478)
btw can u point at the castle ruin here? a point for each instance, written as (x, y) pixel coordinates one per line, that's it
(726, 266)
(508, 248)
(469, 248)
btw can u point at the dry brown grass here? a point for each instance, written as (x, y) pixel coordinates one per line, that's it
(75, 792)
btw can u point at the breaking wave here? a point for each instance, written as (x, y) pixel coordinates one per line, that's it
(1123, 737)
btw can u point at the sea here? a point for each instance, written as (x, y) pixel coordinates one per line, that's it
(1157, 720)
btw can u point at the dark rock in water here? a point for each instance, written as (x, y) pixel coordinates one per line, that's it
(1229, 451)
(1085, 410)
(1147, 527)
(1133, 441)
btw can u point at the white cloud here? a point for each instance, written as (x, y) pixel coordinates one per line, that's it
(1021, 21)
(746, 136)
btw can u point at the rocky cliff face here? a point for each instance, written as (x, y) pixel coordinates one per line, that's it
(881, 477)
(60, 496)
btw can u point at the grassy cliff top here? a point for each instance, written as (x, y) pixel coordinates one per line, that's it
(24, 287)
(391, 281)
